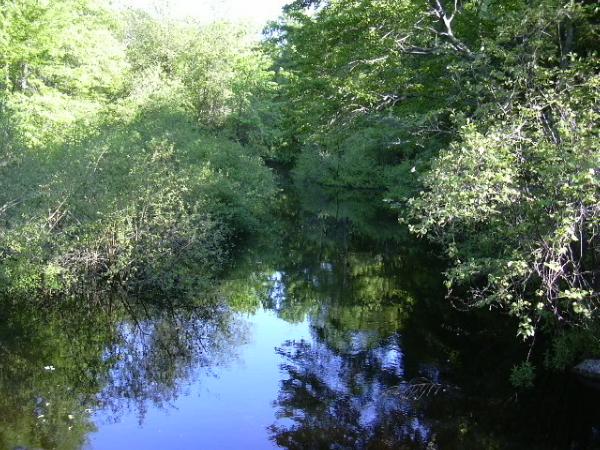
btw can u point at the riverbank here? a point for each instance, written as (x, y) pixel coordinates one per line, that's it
(321, 333)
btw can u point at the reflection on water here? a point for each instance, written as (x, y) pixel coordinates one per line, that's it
(228, 407)
(156, 358)
(342, 401)
(330, 333)
(62, 365)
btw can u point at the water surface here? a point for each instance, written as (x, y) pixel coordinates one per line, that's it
(229, 405)
(331, 331)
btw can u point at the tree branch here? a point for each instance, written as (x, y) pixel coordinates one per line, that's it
(443, 31)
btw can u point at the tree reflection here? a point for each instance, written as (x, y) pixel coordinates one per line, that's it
(344, 401)
(391, 365)
(357, 291)
(154, 359)
(48, 377)
(61, 365)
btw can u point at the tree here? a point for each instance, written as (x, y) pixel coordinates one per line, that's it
(480, 117)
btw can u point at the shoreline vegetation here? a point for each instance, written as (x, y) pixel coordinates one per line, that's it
(135, 150)
(480, 119)
(129, 162)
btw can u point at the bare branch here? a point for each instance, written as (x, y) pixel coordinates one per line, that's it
(444, 31)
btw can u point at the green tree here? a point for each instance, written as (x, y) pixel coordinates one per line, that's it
(480, 117)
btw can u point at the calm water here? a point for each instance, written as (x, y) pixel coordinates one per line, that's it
(226, 407)
(330, 332)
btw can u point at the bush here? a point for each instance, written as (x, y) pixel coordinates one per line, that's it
(143, 200)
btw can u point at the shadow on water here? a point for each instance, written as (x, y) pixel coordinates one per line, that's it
(387, 362)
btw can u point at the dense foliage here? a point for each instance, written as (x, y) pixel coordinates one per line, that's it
(481, 119)
(111, 174)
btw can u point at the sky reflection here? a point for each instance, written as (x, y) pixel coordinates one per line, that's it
(230, 407)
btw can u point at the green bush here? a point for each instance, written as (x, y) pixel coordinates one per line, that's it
(111, 178)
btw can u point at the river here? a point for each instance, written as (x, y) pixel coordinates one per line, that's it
(330, 331)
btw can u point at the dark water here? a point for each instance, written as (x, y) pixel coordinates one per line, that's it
(330, 332)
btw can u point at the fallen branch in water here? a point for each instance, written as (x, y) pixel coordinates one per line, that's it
(418, 388)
